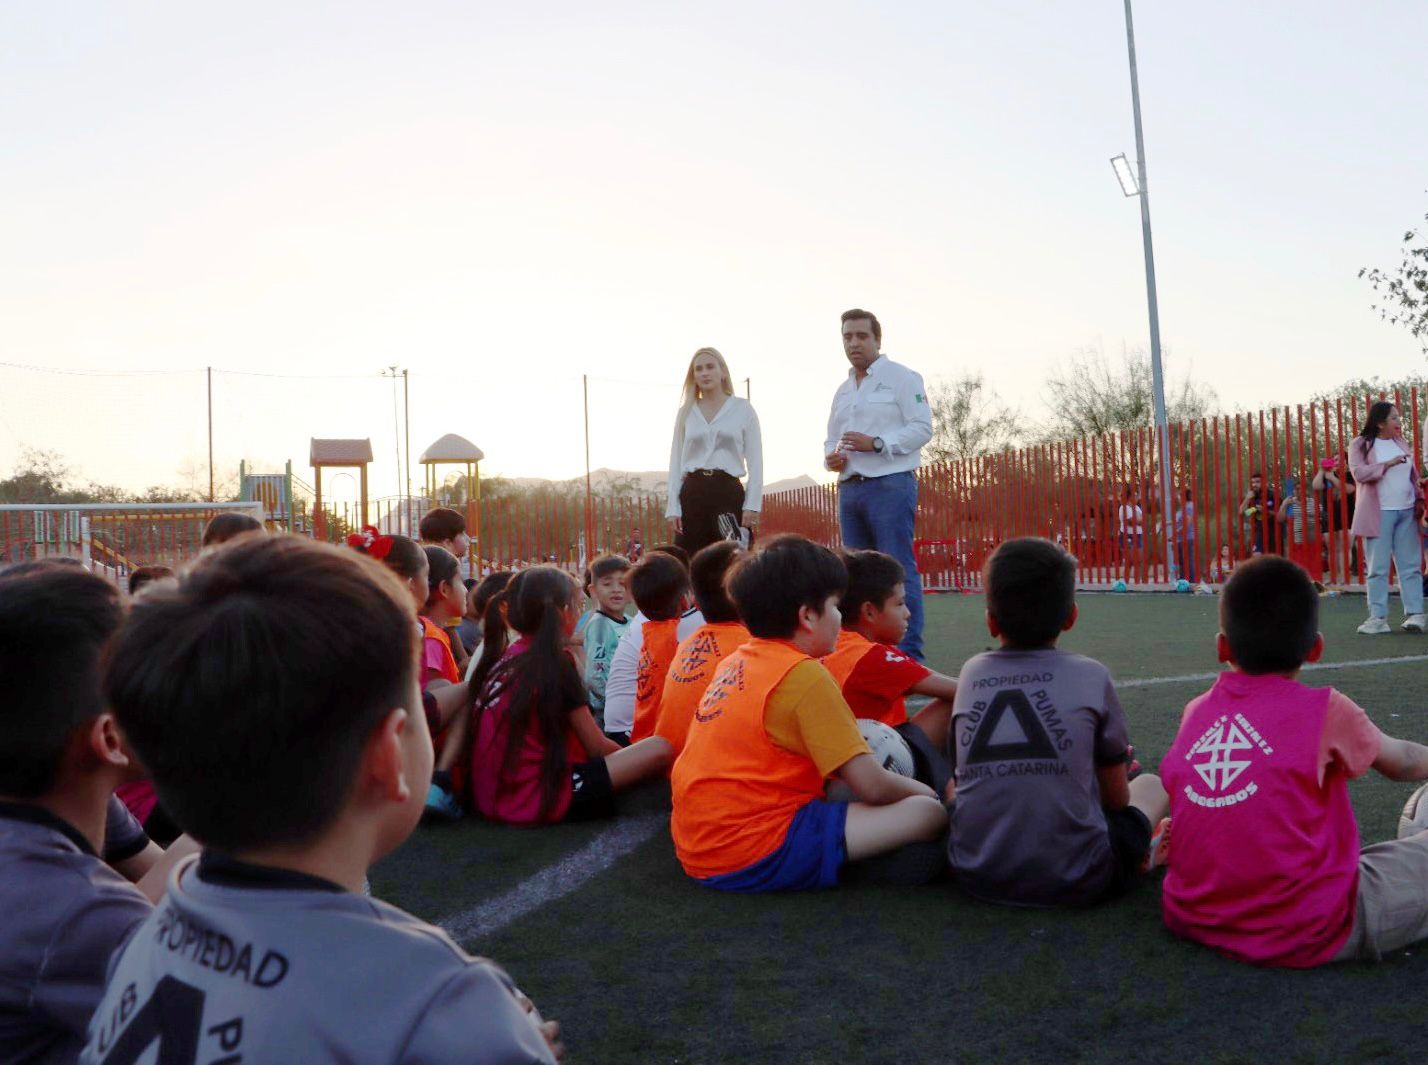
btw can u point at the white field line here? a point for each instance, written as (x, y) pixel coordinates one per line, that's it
(554, 881)
(1148, 682)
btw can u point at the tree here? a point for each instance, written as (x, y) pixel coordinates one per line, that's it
(1088, 396)
(968, 419)
(1404, 289)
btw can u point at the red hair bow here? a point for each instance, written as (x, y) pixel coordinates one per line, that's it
(370, 541)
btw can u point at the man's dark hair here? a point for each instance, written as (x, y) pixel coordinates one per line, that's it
(1031, 590)
(674, 551)
(786, 574)
(54, 623)
(873, 577)
(658, 583)
(442, 524)
(1269, 613)
(147, 575)
(707, 573)
(250, 686)
(858, 312)
(602, 566)
(228, 525)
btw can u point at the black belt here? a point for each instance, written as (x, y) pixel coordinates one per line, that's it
(856, 477)
(711, 473)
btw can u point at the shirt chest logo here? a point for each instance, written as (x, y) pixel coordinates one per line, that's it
(1220, 757)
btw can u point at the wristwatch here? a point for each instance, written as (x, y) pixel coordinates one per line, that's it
(878, 444)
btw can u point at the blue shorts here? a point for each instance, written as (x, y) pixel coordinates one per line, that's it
(809, 857)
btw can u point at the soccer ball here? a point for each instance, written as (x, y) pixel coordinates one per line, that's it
(1414, 818)
(890, 749)
(1119, 586)
(1182, 585)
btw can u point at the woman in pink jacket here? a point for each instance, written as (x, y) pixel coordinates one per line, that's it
(1390, 506)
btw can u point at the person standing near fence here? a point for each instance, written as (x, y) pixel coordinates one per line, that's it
(1390, 504)
(879, 423)
(716, 439)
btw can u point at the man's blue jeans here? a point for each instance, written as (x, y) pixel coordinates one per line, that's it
(879, 513)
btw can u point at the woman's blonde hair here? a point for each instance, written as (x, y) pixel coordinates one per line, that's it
(691, 390)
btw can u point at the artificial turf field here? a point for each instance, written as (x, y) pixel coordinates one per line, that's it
(640, 964)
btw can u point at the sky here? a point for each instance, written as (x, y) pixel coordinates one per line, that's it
(501, 198)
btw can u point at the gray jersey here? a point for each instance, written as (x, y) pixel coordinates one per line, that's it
(228, 971)
(65, 912)
(1029, 729)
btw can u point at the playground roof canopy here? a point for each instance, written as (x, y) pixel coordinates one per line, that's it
(339, 452)
(452, 448)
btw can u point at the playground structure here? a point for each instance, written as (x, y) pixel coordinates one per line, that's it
(275, 492)
(112, 539)
(330, 454)
(454, 450)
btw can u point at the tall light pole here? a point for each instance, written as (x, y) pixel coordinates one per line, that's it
(1134, 184)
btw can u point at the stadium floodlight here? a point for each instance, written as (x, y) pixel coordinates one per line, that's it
(1125, 175)
(1134, 183)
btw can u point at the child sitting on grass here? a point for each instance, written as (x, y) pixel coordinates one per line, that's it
(482, 596)
(263, 948)
(537, 756)
(601, 628)
(437, 668)
(621, 685)
(701, 652)
(1044, 814)
(748, 808)
(61, 758)
(660, 586)
(876, 677)
(1265, 864)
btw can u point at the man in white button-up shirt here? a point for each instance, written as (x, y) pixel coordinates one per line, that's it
(879, 422)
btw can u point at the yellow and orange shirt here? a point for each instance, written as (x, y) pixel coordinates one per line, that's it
(770, 728)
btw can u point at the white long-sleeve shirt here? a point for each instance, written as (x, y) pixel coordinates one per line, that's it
(729, 442)
(625, 663)
(890, 403)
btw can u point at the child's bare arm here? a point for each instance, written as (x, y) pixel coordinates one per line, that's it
(1115, 788)
(1402, 759)
(937, 685)
(449, 699)
(595, 742)
(874, 785)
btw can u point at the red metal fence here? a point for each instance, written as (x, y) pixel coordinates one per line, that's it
(1077, 492)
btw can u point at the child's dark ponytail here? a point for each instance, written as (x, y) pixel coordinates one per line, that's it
(495, 638)
(543, 682)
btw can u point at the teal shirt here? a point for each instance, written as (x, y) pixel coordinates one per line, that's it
(602, 633)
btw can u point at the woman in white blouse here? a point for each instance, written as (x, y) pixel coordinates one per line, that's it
(716, 439)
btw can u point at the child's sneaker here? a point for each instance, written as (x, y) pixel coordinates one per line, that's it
(1374, 627)
(1159, 855)
(441, 805)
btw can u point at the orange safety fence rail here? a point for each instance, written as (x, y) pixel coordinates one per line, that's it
(1084, 494)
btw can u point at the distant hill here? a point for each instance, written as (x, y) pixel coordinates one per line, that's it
(645, 481)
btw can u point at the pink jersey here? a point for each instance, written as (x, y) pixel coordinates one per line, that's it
(1265, 849)
(511, 793)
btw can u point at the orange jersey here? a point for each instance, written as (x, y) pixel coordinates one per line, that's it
(436, 652)
(661, 640)
(735, 792)
(689, 675)
(874, 677)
